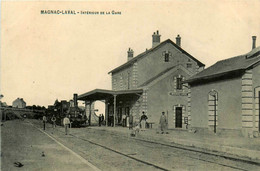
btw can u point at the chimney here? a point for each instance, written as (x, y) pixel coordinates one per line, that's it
(178, 40)
(130, 54)
(254, 40)
(75, 98)
(156, 38)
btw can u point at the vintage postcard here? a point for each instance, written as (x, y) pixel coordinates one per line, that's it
(130, 85)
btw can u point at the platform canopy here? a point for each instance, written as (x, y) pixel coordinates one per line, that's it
(101, 94)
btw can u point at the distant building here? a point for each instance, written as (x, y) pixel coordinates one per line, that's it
(3, 104)
(19, 103)
(150, 82)
(225, 96)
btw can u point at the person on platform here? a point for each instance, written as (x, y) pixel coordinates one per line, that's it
(44, 120)
(131, 121)
(102, 118)
(53, 120)
(143, 121)
(163, 123)
(99, 120)
(66, 123)
(124, 120)
(111, 119)
(127, 121)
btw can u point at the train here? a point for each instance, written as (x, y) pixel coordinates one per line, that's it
(70, 108)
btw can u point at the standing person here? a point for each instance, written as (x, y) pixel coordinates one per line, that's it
(66, 123)
(53, 120)
(163, 123)
(131, 120)
(127, 121)
(102, 118)
(44, 120)
(124, 120)
(143, 121)
(111, 119)
(99, 120)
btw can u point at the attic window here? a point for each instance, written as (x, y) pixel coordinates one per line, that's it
(166, 55)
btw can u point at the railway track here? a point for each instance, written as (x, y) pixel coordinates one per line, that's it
(120, 153)
(178, 147)
(217, 154)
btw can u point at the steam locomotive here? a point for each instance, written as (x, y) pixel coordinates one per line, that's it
(70, 108)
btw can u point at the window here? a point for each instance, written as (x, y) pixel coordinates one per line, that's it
(189, 65)
(166, 57)
(179, 83)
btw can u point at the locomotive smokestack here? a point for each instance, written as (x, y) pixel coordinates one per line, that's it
(75, 98)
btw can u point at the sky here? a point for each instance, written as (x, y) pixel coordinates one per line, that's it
(45, 57)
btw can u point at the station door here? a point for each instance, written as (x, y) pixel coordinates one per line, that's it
(178, 117)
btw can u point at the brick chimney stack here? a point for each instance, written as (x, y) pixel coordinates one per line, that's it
(156, 38)
(254, 41)
(130, 54)
(178, 40)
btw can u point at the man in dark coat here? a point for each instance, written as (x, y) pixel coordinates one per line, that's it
(99, 120)
(131, 120)
(102, 118)
(143, 121)
(44, 120)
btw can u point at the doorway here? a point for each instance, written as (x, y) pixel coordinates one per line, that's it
(178, 117)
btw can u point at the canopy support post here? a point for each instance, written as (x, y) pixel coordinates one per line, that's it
(114, 118)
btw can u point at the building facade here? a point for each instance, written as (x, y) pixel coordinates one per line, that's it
(225, 96)
(19, 103)
(152, 82)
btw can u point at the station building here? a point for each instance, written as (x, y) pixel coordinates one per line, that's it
(225, 96)
(149, 82)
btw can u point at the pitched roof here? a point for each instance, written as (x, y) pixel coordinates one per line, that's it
(130, 62)
(155, 77)
(229, 65)
(19, 99)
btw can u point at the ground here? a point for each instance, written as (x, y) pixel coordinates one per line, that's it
(21, 142)
(93, 149)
